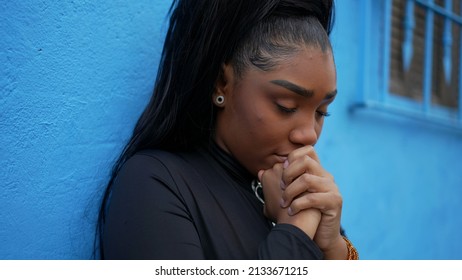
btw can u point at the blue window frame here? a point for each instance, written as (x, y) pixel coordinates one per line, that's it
(412, 57)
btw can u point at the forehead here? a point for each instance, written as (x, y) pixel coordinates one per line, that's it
(310, 67)
(308, 58)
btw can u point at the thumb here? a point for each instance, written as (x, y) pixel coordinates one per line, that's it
(260, 174)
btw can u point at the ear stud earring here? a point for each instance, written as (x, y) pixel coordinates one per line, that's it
(220, 99)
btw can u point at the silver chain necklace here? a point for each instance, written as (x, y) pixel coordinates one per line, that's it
(258, 190)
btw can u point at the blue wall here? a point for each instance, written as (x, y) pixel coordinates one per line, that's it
(75, 75)
(400, 177)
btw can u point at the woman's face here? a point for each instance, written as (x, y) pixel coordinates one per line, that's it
(267, 115)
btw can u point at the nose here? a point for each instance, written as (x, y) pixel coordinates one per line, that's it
(304, 133)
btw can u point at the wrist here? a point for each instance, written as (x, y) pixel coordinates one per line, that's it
(306, 220)
(338, 250)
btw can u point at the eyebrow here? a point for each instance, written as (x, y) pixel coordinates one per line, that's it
(300, 90)
(330, 95)
(293, 87)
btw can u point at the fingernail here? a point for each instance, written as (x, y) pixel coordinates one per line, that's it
(282, 202)
(290, 211)
(286, 164)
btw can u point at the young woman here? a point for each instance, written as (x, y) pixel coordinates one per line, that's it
(221, 163)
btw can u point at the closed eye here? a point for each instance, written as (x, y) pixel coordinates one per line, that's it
(285, 109)
(323, 114)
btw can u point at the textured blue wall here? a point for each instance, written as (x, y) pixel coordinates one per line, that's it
(400, 178)
(74, 77)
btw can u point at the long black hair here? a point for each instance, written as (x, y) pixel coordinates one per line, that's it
(202, 36)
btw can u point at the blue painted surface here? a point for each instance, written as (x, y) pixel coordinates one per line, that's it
(76, 75)
(400, 176)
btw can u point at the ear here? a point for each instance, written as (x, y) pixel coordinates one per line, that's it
(224, 85)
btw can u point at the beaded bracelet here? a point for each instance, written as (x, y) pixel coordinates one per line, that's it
(352, 252)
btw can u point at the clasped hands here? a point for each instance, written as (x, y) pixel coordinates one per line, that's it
(301, 192)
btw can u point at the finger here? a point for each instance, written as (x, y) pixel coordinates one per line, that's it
(270, 180)
(328, 203)
(260, 174)
(271, 174)
(303, 151)
(307, 183)
(301, 165)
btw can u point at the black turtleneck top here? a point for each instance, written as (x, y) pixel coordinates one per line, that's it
(196, 205)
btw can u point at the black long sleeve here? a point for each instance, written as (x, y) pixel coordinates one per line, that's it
(193, 206)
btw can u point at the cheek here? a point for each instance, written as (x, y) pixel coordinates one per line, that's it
(262, 125)
(255, 129)
(247, 116)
